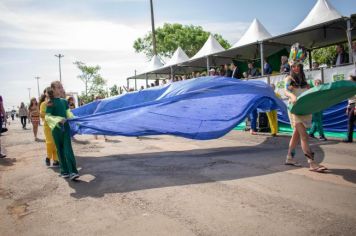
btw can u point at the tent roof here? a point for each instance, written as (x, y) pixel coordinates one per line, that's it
(179, 56)
(255, 32)
(322, 12)
(154, 64)
(211, 46)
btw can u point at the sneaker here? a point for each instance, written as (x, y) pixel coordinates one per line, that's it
(2, 155)
(48, 162)
(291, 162)
(55, 163)
(322, 138)
(311, 136)
(65, 175)
(347, 141)
(74, 176)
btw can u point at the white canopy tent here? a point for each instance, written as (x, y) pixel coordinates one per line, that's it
(322, 12)
(206, 55)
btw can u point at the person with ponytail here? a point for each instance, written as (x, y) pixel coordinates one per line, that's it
(57, 113)
(50, 146)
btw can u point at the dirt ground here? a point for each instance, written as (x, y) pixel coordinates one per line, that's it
(164, 185)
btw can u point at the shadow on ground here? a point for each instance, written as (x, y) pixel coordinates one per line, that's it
(131, 172)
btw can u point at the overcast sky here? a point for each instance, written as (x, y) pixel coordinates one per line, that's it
(102, 32)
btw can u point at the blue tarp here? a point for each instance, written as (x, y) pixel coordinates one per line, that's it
(202, 108)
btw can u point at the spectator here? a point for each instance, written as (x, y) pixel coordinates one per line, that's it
(3, 114)
(164, 82)
(252, 71)
(351, 114)
(228, 72)
(152, 85)
(142, 87)
(341, 56)
(354, 51)
(222, 70)
(157, 82)
(235, 70)
(315, 65)
(71, 102)
(245, 76)
(267, 68)
(34, 113)
(285, 68)
(23, 115)
(212, 72)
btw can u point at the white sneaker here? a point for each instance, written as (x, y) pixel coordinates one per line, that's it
(74, 176)
(65, 175)
(290, 161)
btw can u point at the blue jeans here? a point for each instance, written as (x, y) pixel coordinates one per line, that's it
(253, 118)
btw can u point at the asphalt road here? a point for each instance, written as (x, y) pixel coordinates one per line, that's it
(164, 185)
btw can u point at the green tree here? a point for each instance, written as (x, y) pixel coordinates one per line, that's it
(324, 55)
(171, 36)
(114, 90)
(91, 78)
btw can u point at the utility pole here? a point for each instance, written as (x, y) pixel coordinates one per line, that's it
(29, 94)
(153, 30)
(38, 86)
(60, 72)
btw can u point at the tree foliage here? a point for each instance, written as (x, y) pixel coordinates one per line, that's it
(324, 55)
(114, 91)
(94, 83)
(171, 36)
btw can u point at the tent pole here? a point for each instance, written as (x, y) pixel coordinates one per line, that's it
(261, 54)
(146, 80)
(349, 43)
(310, 59)
(207, 65)
(135, 81)
(172, 74)
(128, 83)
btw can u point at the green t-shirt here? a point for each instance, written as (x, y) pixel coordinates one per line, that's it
(57, 107)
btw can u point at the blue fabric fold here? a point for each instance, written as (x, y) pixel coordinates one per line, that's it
(202, 108)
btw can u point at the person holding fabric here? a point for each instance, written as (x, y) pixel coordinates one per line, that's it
(351, 115)
(23, 115)
(2, 114)
(272, 116)
(296, 84)
(57, 113)
(253, 119)
(50, 146)
(34, 114)
(317, 120)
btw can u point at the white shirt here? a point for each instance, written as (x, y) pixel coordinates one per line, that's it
(338, 60)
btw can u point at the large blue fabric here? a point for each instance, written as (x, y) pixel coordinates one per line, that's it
(202, 108)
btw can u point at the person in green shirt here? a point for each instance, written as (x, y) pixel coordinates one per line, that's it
(57, 113)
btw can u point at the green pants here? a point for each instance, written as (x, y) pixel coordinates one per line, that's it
(65, 153)
(317, 124)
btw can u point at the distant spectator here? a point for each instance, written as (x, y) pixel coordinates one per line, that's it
(267, 68)
(252, 71)
(351, 115)
(212, 72)
(228, 71)
(315, 65)
(341, 56)
(222, 70)
(23, 115)
(354, 51)
(285, 68)
(244, 75)
(235, 70)
(164, 82)
(142, 87)
(157, 82)
(152, 85)
(2, 114)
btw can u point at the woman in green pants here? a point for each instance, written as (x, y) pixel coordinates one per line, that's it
(57, 113)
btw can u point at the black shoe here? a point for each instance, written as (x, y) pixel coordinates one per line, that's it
(55, 164)
(347, 141)
(322, 138)
(311, 136)
(2, 155)
(48, 162)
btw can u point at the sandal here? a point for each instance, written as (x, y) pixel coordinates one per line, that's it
(317, 168)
